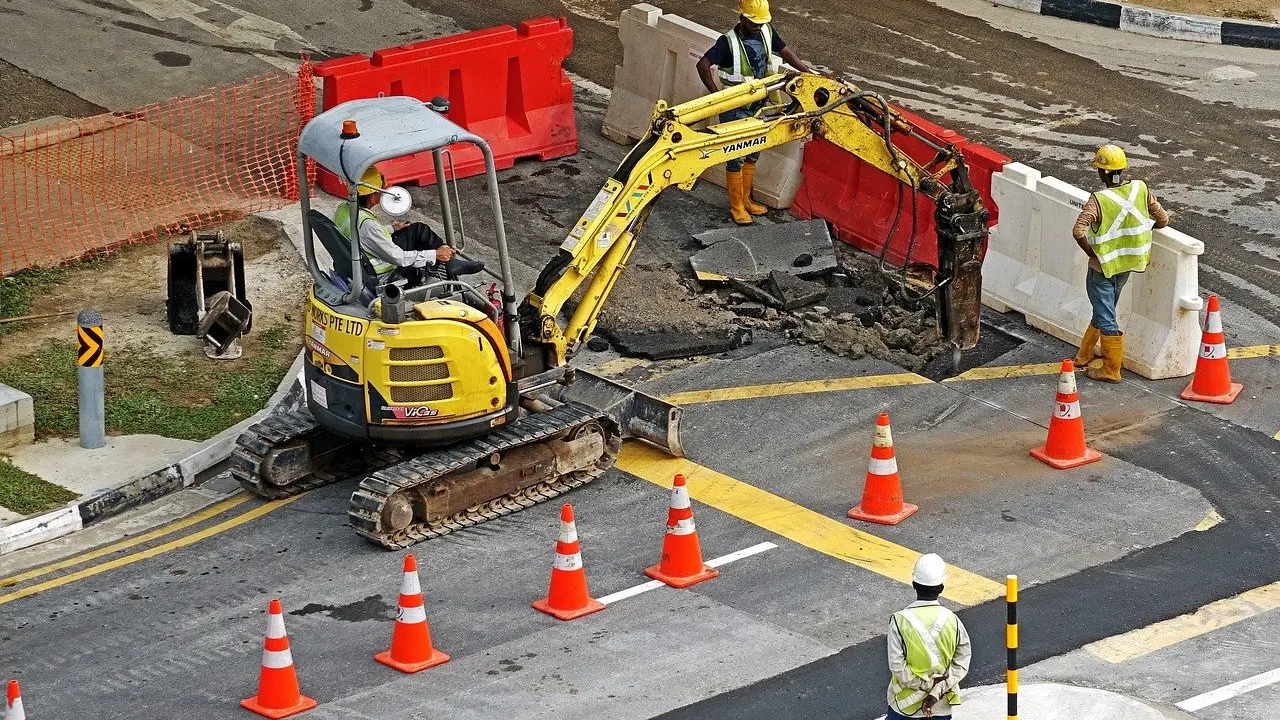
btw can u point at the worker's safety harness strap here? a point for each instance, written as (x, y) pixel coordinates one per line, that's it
(742, 70)
(1125, 243)
(928, 654)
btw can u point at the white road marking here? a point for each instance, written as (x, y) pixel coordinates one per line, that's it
(1235, 689)
(714, 562)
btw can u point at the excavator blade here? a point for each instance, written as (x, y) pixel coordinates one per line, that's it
(638, 415)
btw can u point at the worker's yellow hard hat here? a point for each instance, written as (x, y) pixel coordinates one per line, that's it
(1110, 157)
(757, 11)
(371, 177)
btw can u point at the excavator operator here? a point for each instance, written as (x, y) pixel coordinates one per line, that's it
(412, 251)
(745, 53)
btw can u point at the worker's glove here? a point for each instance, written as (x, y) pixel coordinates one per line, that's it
(444, 254)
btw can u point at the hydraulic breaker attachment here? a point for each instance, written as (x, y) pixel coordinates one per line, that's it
(961, 223)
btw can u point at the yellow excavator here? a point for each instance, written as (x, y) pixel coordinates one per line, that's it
(458, 406)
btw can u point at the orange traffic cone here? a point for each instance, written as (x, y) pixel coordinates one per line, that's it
(1212, 381)
(13, 703)
(567, 597)
(882, 492)
(681, 564)
(278, 695)
(1065, 446)
(411, 649)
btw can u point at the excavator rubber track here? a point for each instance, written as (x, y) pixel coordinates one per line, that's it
(282, 428)
(368, 501)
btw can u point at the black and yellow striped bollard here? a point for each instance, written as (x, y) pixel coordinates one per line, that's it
(93, 431)
(1011, 643)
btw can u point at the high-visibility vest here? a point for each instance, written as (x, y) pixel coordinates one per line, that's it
(930, 634)
(1122, 241)
(342, 218)
(741, 70)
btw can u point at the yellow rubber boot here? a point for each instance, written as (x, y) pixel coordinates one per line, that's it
(1088, 347)
(733, 182)
(748, 183)
(1112, 358)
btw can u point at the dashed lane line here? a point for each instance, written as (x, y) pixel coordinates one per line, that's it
(803, 387)
(1214, 616)
(1235, 689)
(797, 523)
(134, 541)
(714, 562)
(191, 539)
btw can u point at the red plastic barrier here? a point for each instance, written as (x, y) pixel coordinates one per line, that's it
(506, 85)
(861, 201)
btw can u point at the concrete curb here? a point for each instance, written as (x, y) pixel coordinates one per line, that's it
(148, 486)
(1156, 23)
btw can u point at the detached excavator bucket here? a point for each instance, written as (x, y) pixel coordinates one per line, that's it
(640, 416)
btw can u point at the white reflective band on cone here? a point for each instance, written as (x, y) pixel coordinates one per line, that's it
(568, 562)
(679, 497)
(276, 659)
(1067, 384)
(412, 615)
(1067, 411)
(1213, 323)
(568, 532)
(1213, 352)
(275, 626)
(15, 710)
(682, 527)
(883, 467)
(410, 584)
(884, 437)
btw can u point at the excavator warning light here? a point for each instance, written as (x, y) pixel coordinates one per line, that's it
(349, 130)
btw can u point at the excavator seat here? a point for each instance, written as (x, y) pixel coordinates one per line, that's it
(339, 248)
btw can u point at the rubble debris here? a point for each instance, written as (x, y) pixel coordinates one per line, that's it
(792, 292)
(668, 344)
(750, 253)
(754, 292)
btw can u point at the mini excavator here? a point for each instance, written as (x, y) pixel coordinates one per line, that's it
(455, 406)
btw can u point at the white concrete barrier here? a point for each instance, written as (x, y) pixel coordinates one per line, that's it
(1034, 266)
(660, 53)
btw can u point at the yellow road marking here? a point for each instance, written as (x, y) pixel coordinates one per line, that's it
(1214, 616)
(1277, 435)
(1213, 519)
(184, 541)
(199, 517)
(1008, 371)
(1253, 351)
(802, 387)
(797, 523)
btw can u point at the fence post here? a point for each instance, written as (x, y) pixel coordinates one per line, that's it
(93, 432)
(1011, 644)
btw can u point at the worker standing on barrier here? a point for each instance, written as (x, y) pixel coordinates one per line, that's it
(411, 250)
(745, 53)
(1114, 230)
(929, 649)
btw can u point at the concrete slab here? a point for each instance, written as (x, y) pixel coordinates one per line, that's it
(750, 253)
(1049, 701)
(17, 418)
(62, 461)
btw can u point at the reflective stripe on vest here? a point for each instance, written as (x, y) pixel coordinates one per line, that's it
(342, 218)
(930, 634)
(1123, 240)
(742, 70)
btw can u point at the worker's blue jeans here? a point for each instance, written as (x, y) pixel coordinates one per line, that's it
(735, 164)
(1104, 294)
(895, 716)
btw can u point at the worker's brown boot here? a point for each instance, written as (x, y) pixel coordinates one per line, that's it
(1088, 348)
(733, 182)
(1112, 358)
(748, 183)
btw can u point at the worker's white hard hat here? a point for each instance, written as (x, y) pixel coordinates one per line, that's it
(930, 571)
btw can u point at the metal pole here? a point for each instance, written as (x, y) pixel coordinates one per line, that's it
(1011, 643)
(93, 431)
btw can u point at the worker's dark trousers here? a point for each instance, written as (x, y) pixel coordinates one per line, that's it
(895, 716)
(416, 236)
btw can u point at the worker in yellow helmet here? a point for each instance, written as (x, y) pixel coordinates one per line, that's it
(412, 251)
(1114, 230)
(745, 53)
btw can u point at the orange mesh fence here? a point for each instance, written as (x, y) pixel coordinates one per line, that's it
(78, 187)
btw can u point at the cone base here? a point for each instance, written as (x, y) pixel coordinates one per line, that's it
(1217, 399)
(592, 605)
(1068, 463)
(681, 581)
(437, 658)
(857, 513)
(304, 703)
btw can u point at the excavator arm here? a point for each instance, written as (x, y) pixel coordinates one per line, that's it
(676, 152)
